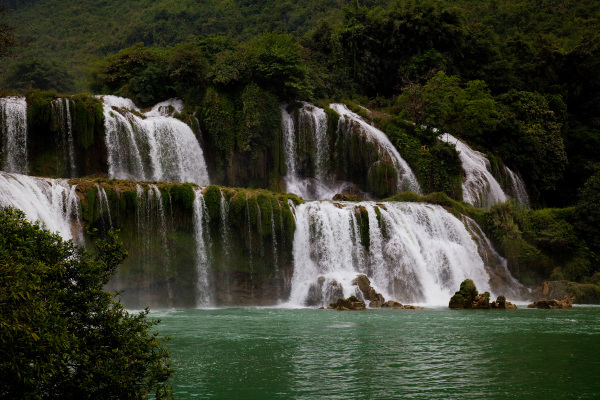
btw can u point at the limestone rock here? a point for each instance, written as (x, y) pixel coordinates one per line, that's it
(364, 284)
(352, 303)
(552, 304)
(502, 304)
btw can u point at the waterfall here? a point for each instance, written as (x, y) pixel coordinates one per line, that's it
(412, 252)
(480, 188)
(518, 189)
(13, 119)
(387, 152)
(151, 146)
(316, 170)
(104, 206)
(308, 176)
(51, 201)
(202, 236)
(496, 265)
(61, 109)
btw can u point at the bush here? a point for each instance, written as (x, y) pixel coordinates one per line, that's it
(61, 334)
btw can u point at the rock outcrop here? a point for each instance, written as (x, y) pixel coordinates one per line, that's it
(468, 298)
(352, 303)
(552, 304)
(502, 304)
(364, 284)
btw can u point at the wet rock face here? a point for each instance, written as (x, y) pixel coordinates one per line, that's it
(364, 284)
(502, 304)
(552, 304)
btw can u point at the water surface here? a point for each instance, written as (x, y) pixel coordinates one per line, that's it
(254, 353)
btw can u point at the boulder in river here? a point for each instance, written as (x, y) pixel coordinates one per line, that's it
(552, 304)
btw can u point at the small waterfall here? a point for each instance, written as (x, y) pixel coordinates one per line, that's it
(104, 206)
(496, 265)
(518, 189)
(412, 252)
(387, 152)
(61, 109)
(311, 161)
(13, 130)
(50, 201)
(203, 265)
(480, 188)
(151, 146)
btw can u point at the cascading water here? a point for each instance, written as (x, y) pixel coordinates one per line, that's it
(61, 109)
(205, 296)
(151, 146)
(104, 208)
(480, 188)
(411, 252)
(13, 130)
(351, 121)
(518, 189)
(496, 265)
(50, 201)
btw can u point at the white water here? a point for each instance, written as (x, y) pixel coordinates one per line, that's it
(518, 188)
(313, 177)
(406, 178)
(204, 294)
(13, 131)
(418, 253)
(152, 147)
(62, 114)
(480, 188)
(104, 206)
(53, 202)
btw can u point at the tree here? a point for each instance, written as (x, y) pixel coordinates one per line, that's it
(61, 334)
(7, 38)
(529, 138)
(38, 73)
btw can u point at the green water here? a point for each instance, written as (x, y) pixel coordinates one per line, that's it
(250, 353)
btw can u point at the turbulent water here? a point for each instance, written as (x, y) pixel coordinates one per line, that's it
(437, 353)
(480, 188)
(53, 202)
(151, 146)
(13, 130)
(411, 252)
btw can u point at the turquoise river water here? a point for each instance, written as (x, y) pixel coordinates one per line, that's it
(437, 353)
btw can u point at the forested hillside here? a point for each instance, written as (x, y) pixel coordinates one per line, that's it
(518, 80)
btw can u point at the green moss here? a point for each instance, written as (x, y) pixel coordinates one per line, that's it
(363, 225)
(87, 114)
(88, 207)
(266, 212)
(183, 194)
(212, 199)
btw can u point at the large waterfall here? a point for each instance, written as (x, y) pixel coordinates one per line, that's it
(480, 188)
(53, 202)
(151, 146)
(411, 252)
(13, 131)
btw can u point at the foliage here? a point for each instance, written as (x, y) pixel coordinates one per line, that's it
(587, 212)
(62, 334)
(38, 73)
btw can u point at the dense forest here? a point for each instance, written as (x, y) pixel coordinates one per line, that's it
(518, 80)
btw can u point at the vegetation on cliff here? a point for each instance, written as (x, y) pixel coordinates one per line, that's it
(62, 334)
